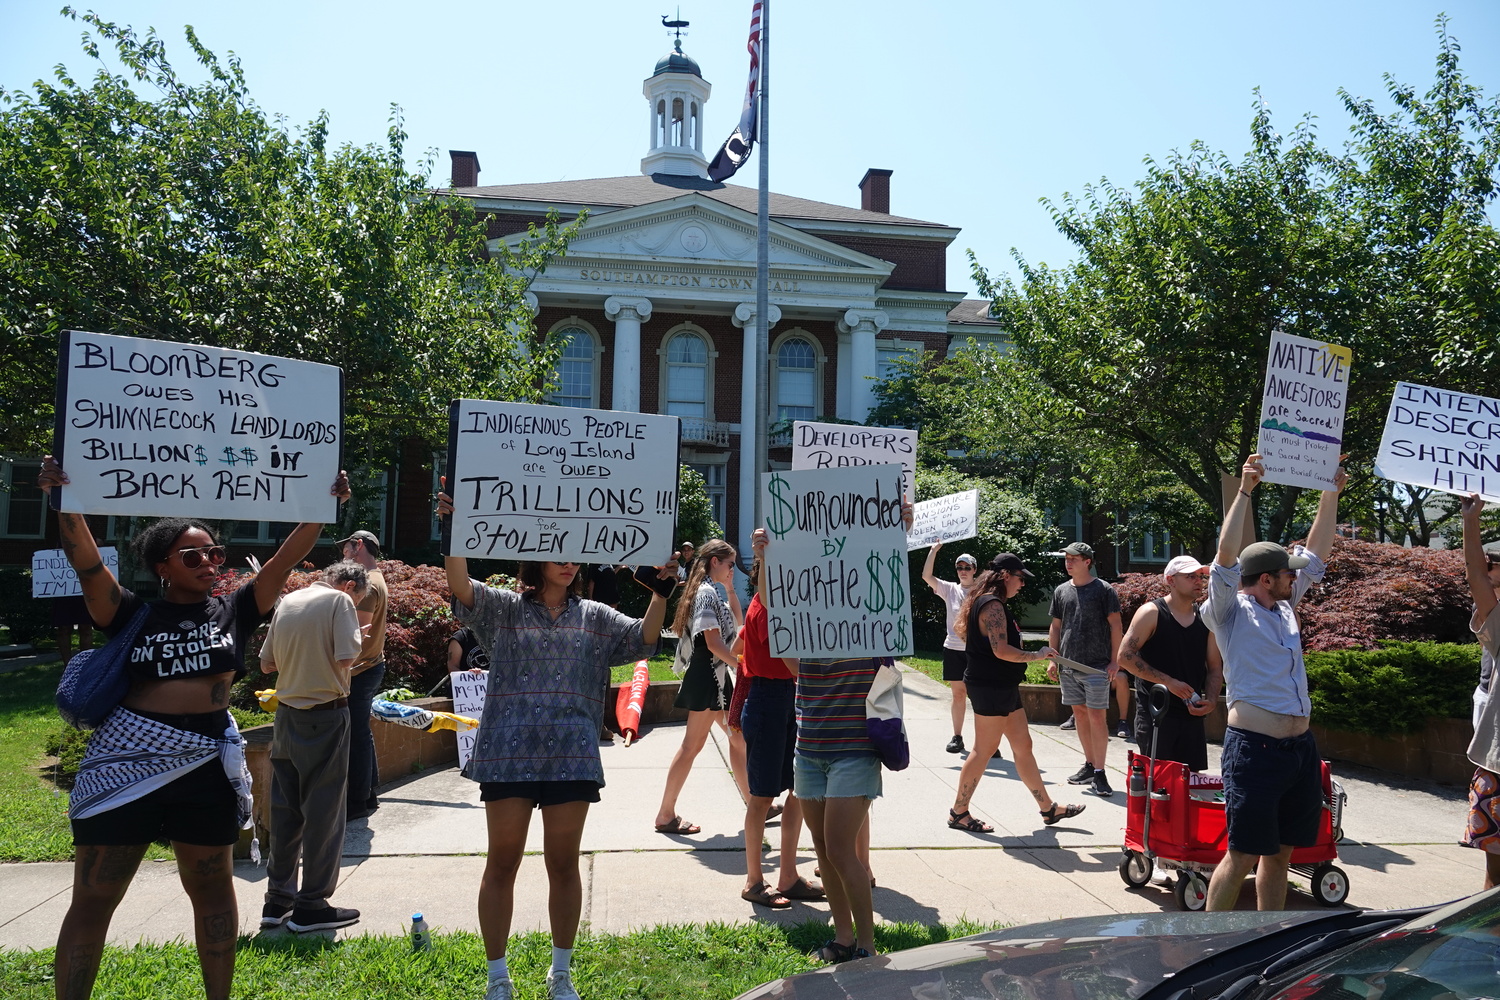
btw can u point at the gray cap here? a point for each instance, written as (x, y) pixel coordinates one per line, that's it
(362, 536)
(1267, 557)
(966, 558)
(1080, 549)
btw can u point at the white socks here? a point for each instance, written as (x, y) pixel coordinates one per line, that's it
(498, 968)
(562, 959)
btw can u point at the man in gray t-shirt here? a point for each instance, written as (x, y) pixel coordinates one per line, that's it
(1086, 628)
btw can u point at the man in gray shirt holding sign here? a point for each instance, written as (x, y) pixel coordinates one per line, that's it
(1273, 786)
(1086, 630)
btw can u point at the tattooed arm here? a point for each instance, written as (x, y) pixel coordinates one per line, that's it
(1142, 628)
(992, 626)
(101, 591)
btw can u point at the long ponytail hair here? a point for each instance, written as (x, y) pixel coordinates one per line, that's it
(713, 549)
(991, 581)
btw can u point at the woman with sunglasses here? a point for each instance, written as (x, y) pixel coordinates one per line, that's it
(537, 747)
(167, 764)
(955, 660)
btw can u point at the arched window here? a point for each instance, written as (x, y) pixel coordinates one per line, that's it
(796, 380)
(577, 367)
(687, 376)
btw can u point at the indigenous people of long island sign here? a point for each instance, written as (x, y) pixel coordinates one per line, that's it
(468, 699)
(835, 446)
(560, 483)
(835, 569)
(152, 427)
(1302, 411)
(944, 519)
(53, 576)
(1443, 440)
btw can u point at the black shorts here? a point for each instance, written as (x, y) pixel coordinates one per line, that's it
(700, 689)
(955, 662)
(999, 699)
(1273, 791)
(541, 793)
(199, 808)
(769, 723)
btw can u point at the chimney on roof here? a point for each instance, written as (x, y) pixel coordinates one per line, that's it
(875, 191)
(465, 168)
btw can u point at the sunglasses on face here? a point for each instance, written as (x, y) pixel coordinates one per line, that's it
(964, 568)
(193, 558)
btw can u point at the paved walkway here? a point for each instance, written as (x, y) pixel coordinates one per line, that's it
(424, 850)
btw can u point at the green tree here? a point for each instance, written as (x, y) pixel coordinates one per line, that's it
(189, 214)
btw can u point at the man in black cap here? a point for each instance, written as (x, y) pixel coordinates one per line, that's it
(365, 676)
(1273, 789)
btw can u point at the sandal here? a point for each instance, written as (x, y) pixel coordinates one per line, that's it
(833, 953)
(803, 889)
(971, 824)
(764, 895)
(1052, 816)
(776, 810)
(679, 826)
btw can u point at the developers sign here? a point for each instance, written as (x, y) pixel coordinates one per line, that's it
(560, 483)
(835, 567)
(1442, 440)
(945, 519)
(1302, 411)
(833, 446)
(152, 427)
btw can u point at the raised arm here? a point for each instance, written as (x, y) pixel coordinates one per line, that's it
(457, 567)
(101, 591)
(274, 571)
(1476, 563)
(1320, 538)
(927, 568)
(1233, 529)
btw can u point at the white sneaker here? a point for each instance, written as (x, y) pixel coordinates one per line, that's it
(560, 986)
(1161, 876)
(500, 989)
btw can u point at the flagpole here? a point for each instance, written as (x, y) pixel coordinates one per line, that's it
(760, 422)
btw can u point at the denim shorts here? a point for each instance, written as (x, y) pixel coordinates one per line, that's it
(769, 724)
(1273, 791)
(819, 778)
(1088, 690)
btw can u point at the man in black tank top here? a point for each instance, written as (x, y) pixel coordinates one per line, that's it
(1168, 643)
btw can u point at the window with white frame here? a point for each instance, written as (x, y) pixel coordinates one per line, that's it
(577, 367)
(713, 480)
(1068, 522)
(687, 376)
(888, 352)
(23, 505)
(796, 380)
(1151, 547)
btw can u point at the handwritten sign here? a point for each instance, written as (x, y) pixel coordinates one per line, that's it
(561, 483)
(835, 446)
(944, 519)
(835, 569)
(468, 699)
(1302, 411)
(152, 427)
(1447, 441)
(51, 576)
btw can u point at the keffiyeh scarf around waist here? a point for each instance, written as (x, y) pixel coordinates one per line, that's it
(129, 756)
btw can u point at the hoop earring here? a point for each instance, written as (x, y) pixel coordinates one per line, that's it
(166, 584)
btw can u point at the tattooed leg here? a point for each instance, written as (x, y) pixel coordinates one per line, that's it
(207, 875)
(100, 877)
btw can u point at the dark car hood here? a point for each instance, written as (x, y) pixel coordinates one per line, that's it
(1082, 958)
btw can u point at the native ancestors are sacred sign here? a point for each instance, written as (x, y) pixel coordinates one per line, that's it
(835, 568)
(557, 483)
(1443, 440)
(153, 427)
(948, 518)
(1302, 411)
(833, 446)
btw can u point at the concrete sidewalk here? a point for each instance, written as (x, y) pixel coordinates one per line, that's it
(424, 849)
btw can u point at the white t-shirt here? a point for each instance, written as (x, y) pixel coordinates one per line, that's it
(1484, 749)
(953, 595)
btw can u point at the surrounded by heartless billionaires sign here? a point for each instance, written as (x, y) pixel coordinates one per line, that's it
(560, 483)
(153, 427)
(835, 567)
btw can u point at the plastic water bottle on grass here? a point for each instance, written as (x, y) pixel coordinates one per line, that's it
(421, 937)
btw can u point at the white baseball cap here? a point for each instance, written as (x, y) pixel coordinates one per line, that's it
(1182, 564)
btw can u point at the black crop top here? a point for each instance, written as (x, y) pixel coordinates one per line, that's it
(985, 669)
(190, 640)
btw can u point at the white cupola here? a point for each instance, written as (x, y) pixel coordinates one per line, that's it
(676, 93)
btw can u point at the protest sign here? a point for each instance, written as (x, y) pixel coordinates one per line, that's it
(156, 428)
(1442, 440)
(51, 576)
(468, 700)
(833, 446)
(1302, 411)
(560, 483)
(945, 519)
(836, 578)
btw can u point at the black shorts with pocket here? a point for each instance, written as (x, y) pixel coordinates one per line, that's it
(541, 793)
(955, 662)
(992, 700)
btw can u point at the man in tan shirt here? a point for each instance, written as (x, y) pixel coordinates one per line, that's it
(366, 677)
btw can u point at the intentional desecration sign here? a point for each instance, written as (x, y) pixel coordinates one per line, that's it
(1302, 411)
(833, 446)
(836, 565)
(152, 427)
(1443, 440)
(559, 483)
(945, 519)
(51, 576)
(468, 699)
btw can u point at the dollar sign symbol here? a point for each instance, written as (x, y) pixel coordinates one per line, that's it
(248, 455)
(875, 598)
(202, 458)
(782, 517)
(901, 634)
(898, 591)
(230, 458)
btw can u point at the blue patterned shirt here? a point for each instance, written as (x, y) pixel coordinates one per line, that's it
(544, 704)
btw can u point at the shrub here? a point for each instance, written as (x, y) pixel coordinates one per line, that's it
(27, 617)
(1394, 689)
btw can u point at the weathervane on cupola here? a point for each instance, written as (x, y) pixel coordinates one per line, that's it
(676, 92)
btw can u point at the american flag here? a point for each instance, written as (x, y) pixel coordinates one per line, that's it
(737, 147)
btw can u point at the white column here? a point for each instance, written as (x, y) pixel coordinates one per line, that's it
(744, 318)
(843, 365)
(862, 325)
(628, 313)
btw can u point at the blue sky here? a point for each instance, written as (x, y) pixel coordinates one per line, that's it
(980, 108)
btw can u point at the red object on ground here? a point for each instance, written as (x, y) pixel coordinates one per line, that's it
(631, 700)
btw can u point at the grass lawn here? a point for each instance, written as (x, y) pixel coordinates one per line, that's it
(33, 814)
(713, 962)
(661, 670)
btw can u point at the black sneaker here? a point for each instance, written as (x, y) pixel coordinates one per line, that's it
(997, 755)
(1101, 785)
(272, 915)
(955, 745)
(1071, 722)
(1122, 732)
(1083, 775)
(326, 919)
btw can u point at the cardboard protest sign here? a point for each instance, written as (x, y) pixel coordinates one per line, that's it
(51, 576)
(833, 446)
(1302, 411)
(468, 700)
(560, 483)
(945, 519)
(835, 567)
(1442, 440)
(156, 428)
